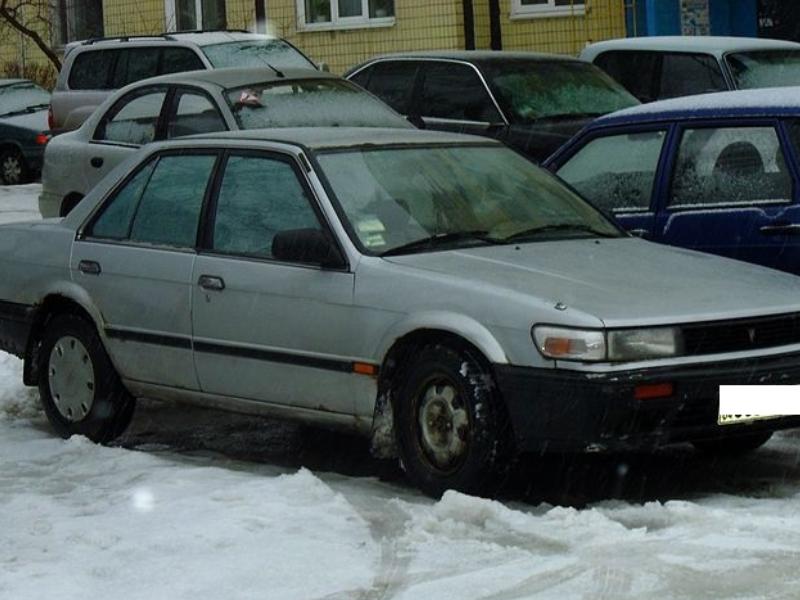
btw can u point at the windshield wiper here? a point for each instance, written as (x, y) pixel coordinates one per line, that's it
(534, 231)
(22, 111)
(442, 239)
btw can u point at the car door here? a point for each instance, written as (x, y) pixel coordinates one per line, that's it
(266, 330)
(618, 171)
(732, 192)
(453, 97)
(135, 260)
(132, 121)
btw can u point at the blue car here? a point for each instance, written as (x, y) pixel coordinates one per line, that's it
(23, 130)
(717, 173)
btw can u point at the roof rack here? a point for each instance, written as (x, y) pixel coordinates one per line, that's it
(169, 33)
(125, 38)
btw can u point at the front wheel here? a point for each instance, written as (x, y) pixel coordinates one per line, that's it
(13, 169)
(733, 446)
(80, 390)
(450, 424)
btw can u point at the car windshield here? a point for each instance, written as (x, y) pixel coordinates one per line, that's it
(770, 68)
(530, 91)
(423, 198)
(309, 103)
(256, 53)
(22, 97)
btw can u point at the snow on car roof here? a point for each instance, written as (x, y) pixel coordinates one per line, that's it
(233, 78)
(320, 138)
(760, 102)
(710, 44)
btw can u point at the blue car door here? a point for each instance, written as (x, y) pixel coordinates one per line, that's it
(732, 192)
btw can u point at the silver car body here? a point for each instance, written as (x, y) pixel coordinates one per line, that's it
(70, 107)
(300, 328)
(74, 162)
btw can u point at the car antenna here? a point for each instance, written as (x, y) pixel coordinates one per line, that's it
(277, 72)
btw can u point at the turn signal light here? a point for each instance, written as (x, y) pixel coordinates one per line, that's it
(650, 391)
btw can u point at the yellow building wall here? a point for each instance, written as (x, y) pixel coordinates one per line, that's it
(568, 34)
(20, 57)
(142, 17)
(419, 25)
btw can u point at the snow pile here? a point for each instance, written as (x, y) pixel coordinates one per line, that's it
(16, 400)
(19, 202)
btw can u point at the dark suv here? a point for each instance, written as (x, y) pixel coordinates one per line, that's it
(533, 102)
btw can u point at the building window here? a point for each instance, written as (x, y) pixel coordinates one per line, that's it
(343, 14)
(546, 8)
(189, 15)
(77, 20)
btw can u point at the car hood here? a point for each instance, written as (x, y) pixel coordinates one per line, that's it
(35, 121)
(622, 282)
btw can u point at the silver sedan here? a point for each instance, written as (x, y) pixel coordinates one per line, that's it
(436, 292)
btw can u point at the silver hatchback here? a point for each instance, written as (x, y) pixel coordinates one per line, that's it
(436, 292)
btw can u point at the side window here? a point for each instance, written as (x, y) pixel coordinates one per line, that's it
(92, 70)
(115, 220)
(250, 213)
(393, 82)
(194, 113)
(454, 91)
(362, 77)
(135, 64)
(730, 165)
(169, 209)
(688, 74)
(178, 60)
(134, 120)
(635, 71)
(616, 173)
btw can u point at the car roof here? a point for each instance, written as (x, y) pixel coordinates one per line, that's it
(232, 78)
(320, 138)
(710, 44)
(200, 38)
(475, 55)
(743, 103)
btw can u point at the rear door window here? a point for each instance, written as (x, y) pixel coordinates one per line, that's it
(194, 113)
(636, 71)
(392, 82)
(135, 64)
(455, 91)
(617, 172)
(91, 70)
(133, 120)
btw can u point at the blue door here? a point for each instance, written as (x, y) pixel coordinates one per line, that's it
(732, 191)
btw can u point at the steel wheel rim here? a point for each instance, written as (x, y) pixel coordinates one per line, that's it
(12, 170)
(444, 424)
(71, 377)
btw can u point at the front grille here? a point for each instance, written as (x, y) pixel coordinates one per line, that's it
(741, 334)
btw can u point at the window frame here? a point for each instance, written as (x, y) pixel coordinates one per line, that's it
(172, 102)
(83, 233)
(364, 21)
(548, 9)
(171, 15)
(169, 92)
(775, 123)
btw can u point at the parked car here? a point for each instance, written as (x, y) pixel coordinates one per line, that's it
(657, 68)
(23, 130)
(94, 68)
(198, 102)
(437, 292)
(532, 102)
(716, 173)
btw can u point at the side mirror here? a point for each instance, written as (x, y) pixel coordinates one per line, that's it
(324, 67)
(310, 246)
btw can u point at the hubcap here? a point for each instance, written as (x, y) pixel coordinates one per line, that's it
(71, 378)
(444, 425)
(12, 170)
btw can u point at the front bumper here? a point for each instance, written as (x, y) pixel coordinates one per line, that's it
(563, 410)
(16, 321)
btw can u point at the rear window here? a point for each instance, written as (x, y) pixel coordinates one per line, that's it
(765, 68)
(256, 53)
(92, 70)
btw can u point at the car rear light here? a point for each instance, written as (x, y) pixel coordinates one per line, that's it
(650, 391)
(42, 139)
(51, 121)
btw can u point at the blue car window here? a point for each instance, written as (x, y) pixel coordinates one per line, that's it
(616, 172)
(730, 165)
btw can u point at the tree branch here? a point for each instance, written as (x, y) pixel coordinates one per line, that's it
(9, 14)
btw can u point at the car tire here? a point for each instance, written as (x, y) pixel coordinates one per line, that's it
(450, 424)
(13, 170)
(733, 446)
(80, 391)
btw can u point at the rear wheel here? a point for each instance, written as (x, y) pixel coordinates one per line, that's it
(13, 169)
(733, 446)
(450, 426)
(80, 391)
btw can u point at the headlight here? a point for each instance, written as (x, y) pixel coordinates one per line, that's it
(563, 343)
(640, 344)
(570, 344)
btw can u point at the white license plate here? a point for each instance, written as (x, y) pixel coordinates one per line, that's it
(748, 403)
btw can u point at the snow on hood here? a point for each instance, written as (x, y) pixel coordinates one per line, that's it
(36, 121)
(623, 281)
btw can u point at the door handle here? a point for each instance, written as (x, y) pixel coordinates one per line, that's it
(781, 229)
(96, 162)
(642, 233)
(211, 283)
(89, 267)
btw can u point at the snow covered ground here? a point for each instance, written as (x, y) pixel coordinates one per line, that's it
(196, 504)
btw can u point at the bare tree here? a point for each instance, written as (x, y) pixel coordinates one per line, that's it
(34, 19)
